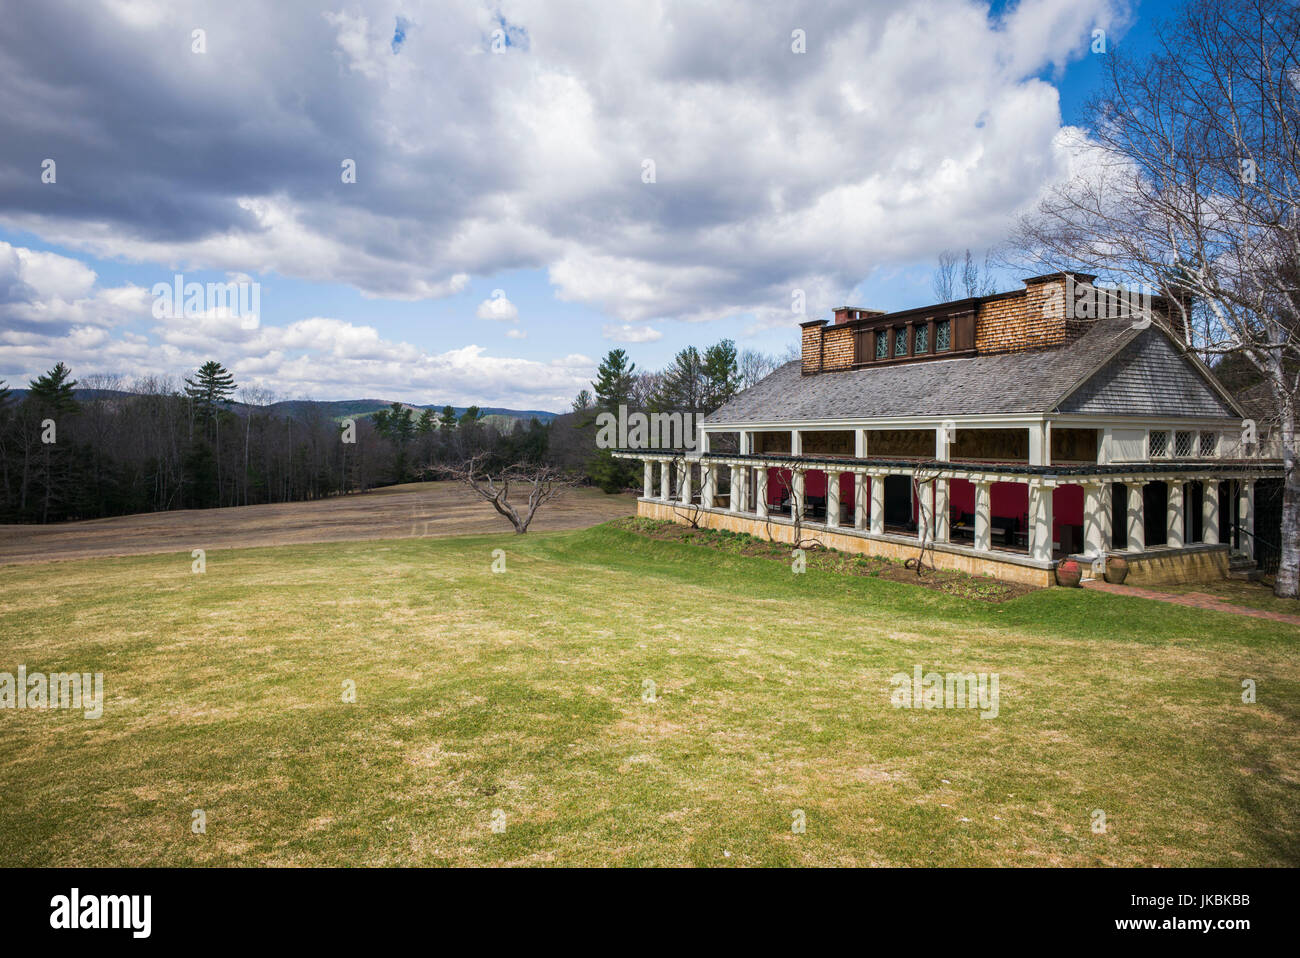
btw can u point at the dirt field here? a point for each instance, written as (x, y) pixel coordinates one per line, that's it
(415, 509)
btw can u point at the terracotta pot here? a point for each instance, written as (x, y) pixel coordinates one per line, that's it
(1068, 574)
(1116, 569)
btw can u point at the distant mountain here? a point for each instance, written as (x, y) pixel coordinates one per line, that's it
(334, 408)
(345, 408)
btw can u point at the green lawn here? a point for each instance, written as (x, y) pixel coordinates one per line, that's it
(523, 692)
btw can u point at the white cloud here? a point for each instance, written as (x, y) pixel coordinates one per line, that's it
(51, 310)
(516, 334)
(902, 127)
(627, 333)
(42, 290)
(497, 307)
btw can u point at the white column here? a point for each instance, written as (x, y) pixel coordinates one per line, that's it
(686, 482)
(1137, 533)
(983, 512)
(707, 485)
(1107, 517)
(760, 491)
(736, 502)
(1246, 509)
(1040, 521)
(877, 504)
(1176, 535)
(832, 498)
(1040, 447)
(925, 514)
(796, 494)
(648, 482)
(796, 443)
(860, 443)
(941, 510)
(746, 442)
(1210, 511)
(861, 499)
(665, 484)
(1094, 514)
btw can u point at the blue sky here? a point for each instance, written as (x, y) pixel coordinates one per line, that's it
(463, 190)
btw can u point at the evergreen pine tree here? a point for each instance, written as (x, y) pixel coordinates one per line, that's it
(53, 392)
(210, 389)
(613, 384)
(721, 374)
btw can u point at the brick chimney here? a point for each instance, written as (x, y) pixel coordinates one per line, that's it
(845, 313)
(812, 345)
(1041, 317)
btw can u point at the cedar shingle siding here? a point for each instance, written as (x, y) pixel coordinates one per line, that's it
(1149, 377)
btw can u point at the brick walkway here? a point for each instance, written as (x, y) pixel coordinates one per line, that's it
(1196, 600)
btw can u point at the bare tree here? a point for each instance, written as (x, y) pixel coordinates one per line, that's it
(1189, 183)
(754, 366)
(977, 278)
(785, 484)
(541, 484)
(645, 386)
(684, 508)
(923, 484)
(944, 280)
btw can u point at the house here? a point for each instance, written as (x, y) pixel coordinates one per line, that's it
(1006, 431)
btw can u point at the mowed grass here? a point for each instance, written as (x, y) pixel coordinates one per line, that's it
(523, 692)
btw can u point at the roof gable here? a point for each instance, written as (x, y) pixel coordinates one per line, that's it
(1150, 376)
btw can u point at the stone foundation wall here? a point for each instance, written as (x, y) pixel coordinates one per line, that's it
(847, 542)
(1152, 569)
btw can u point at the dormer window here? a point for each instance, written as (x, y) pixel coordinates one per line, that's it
(915, 336)
(942, 336)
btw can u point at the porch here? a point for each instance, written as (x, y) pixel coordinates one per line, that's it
(1173, 522)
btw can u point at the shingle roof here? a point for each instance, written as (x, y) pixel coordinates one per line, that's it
(1007, 383)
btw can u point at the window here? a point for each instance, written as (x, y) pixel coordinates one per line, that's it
(900, 341)
(882, 344)
(1209, 445)
(922, 339)
(942, 336)
(1184, 444)
(1157, 444)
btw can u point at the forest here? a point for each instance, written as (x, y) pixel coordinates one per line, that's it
(104, 445)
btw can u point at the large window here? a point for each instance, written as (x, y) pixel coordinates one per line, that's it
(908, 338)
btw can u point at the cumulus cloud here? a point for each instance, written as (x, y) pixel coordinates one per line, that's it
(903, 129)
(48, 293)
(627, 333)
(52, 309)
(497, 307)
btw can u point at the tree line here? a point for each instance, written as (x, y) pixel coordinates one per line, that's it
(104, 446)
(696, 381)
